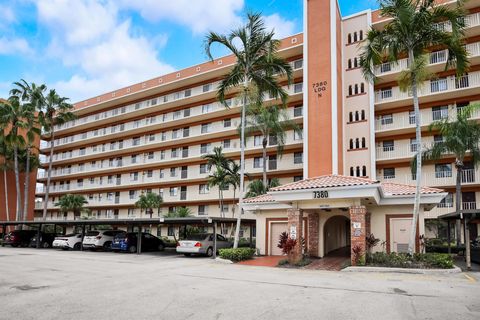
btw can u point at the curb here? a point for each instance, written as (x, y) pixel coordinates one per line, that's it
(455, 269)
(225, 261)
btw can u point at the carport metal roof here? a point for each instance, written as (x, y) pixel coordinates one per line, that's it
(470, 214)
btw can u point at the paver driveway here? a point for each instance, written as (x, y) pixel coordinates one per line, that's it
(49, 284)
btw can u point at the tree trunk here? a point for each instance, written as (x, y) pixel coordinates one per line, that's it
(49, 175)
(242, 163)
(19, 213)
(467, 246)
(458, 203)
(5, 185)
(220, 198)
(233, 206)
(27, 185)
(418, 133)
(264, 156)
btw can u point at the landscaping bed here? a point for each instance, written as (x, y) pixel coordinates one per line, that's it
(415, 261)
(300, 264)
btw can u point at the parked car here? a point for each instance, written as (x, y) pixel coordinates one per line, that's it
(201, 244)
(68, 241)
(101, 239)
(46, 240)
(19, 238)
(128, 242)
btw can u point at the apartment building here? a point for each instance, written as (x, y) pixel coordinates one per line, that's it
(151, 136)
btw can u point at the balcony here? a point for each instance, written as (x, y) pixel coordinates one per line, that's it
(405, 120)
(437, 179)
(140, 107)
(431, 90)
(402, 149)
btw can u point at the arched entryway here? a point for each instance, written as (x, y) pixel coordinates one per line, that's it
(336, 233)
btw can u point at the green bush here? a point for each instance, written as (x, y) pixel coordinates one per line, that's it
(238, 254)
(418, 260)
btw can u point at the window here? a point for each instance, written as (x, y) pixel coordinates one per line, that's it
(177, 114)
(364, 144)
(298, 87)
(437, 139)
(362, 87)
(206, 128)
(134, 158)
(443, 170)
(411, 117)
(272, 140)
(175, 134)
(298, 111)
(207, 87)
(136, 123)
(162, 174)
(258, 162)
(171, 231)
(132, 194)
(164, 136)
(446, 202)
(350, 117)
(205, 148)
(204, 168)
(350, 90)
(297, 64)
(134, 176)
(184, 152)
(413, 145)
(349, 63)
(227, 123)
(150, 155)
(131, 212)
(439, 113)
(173, 172)
(80, 183)
(186, 112)
(174, 153)
(297, 135)
(202, 210)
(363, 115)
(136, 141)
(355, 39)
(173, 191)
(386, 119)
(206, 108)
(298, 157)
(186, 132)
(364, 171)
(388, 145)
(226, 144)
(388, 173)
(188, 92)
(438, 85)
(151, 137)
(349, 38)
(149, 173)
(82, 151)
(203, 189)
(297, 178)
(162, 155)
(257, 140)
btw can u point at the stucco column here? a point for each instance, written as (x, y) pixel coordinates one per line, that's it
(295, 230)
(313, 236)
(357, 230)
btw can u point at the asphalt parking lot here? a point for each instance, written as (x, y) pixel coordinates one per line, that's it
(51, 284)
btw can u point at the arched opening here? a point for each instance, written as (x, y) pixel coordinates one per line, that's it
(337, 236)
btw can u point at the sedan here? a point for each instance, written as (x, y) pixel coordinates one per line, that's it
(201, 244)
(68, 241)
(101, 239)
(128, 242)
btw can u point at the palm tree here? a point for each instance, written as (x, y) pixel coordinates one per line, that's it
(148, 202)
(233, 179)
(270, 122)
(412, 30)
(217, 158)
(257, 188)
(219, 179)
(72, 202)
(461, 138)
(32, 95)
(182, 212)
(5, 153)
(12, 119)
(56, 111)
(257, 65)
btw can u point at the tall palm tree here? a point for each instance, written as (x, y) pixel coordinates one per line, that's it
(72, 202)
(412, 30)
(270, 122)
(257, 66)
(34, 96)
(219, 179)
(56, 111)
(148, 201)
(461, 138)
(12, 120)
(233, 179)
(217, 158)
(5, 167)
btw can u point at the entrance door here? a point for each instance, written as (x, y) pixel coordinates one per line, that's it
(276, 230)
(400, 234)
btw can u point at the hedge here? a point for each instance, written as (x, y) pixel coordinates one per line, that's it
(238, 254)
(417, 260)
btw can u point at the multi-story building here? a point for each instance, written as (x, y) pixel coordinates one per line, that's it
(152, 135)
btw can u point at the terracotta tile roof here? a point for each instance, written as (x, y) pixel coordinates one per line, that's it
(327, 181)
(397, 189)
(260, 199)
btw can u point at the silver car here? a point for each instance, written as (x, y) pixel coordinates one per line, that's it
(201, 244)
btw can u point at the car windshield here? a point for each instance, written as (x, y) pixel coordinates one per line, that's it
(196, 237)
(92, 233)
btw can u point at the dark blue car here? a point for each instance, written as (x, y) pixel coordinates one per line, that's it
(127, 242)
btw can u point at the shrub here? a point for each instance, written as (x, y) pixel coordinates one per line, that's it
(357, 255)
(286, 243)
(238, 254)
(418, 260)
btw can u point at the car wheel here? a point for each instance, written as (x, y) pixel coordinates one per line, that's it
(45, 245)
(24, 245)
(107, 246)
(187, 254)
(14, 245)
(132, 249)
(77, 246)
(161, 247)
(210, 251)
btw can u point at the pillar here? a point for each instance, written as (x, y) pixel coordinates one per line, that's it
(295, 231)
(358, 225)
(313, 236)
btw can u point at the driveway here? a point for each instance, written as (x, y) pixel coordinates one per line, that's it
(49, 284)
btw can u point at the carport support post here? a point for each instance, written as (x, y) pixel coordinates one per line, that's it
(38, 236)
(214, 256)
(449, 237)
(139, 239)
(4, 234)
(250, 237)
(467, 245)
(83, 236)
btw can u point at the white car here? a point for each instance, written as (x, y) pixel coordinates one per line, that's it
(68, 241)
(201, 244)
(100, 239)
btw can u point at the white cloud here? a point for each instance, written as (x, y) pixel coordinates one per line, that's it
(8, 16)
(283, 28)
(14, 46)
(198, 15)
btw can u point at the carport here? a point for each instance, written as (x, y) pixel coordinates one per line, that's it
(188, 221)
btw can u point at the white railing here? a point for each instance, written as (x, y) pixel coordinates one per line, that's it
(405, 120)
(437, 179)
(449, 84)
(184, 94)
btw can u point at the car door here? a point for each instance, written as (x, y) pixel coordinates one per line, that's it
(222, 242)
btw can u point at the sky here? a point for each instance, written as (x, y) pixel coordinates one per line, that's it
(83, 48)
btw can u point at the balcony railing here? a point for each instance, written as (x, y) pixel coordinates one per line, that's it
(437, 179)
(431, 87)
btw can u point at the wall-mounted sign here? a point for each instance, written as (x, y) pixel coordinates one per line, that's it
(357, 225)
(293, 232)
(320, 194)
(319, 87)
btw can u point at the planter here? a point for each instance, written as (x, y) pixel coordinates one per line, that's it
(402, 270)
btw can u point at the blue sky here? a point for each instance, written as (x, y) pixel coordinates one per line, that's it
(86, 47)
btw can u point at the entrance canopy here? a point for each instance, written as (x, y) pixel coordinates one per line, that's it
(337, 191)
